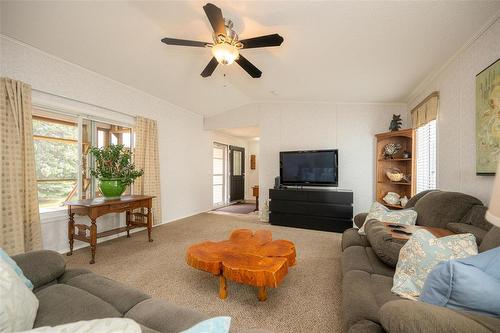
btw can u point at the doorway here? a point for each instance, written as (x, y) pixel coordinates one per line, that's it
(236, 173)
(219, 175)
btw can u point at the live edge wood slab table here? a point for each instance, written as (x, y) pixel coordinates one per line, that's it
(94, 208)
(246, 257)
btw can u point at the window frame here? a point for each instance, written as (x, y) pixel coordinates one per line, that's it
(58, 115)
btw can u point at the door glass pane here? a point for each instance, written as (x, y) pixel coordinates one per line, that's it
(237, 163)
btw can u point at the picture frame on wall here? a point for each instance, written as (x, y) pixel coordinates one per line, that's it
(488, 119)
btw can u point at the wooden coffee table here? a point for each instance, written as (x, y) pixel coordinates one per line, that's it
(437, 232)
(246, 257)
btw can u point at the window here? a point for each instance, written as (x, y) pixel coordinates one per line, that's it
(56, 155)
(426, 157)
(62, 168)
(219, 175)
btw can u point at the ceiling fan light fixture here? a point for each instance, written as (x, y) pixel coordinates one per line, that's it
(225, 53)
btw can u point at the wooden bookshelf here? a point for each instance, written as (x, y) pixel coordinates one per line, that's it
(406, 138)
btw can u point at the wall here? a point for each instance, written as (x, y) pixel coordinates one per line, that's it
(296, 126)
(456, 150)
(251, 176)
(185, 164)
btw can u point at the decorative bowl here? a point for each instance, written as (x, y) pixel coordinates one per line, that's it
(394, 174)
(392, 198)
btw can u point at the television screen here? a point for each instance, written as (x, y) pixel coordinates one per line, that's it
(309, 168)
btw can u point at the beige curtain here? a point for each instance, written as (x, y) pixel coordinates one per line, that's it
(146, 157)
(19, 216)
(426, 111)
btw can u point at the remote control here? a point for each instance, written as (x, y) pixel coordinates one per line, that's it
(401, 232)
(397, 226)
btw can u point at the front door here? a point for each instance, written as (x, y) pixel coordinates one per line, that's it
(236, 173)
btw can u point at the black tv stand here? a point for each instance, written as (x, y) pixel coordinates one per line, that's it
(312, 208)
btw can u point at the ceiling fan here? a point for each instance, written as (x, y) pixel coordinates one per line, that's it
(226, 46)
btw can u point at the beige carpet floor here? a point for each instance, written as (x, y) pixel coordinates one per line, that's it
(308, 300)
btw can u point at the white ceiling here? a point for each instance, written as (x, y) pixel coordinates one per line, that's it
(348, 51)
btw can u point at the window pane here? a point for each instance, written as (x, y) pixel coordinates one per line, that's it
(237, 163)
(218, 167)
(55, 129)
(426, 157)
(52, 194)
(217, 194)
(218, 153)
(56, 160)
(218, 180)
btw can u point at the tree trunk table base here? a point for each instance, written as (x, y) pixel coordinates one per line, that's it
(248, 258)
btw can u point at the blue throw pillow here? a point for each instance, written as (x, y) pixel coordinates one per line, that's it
(212, 325)
(5, 257)
(470, 284)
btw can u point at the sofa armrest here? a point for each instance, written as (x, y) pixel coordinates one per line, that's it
(359, 219)
(41, 267)
(405, 316)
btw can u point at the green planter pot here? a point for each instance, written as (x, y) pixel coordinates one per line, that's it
(111, 188)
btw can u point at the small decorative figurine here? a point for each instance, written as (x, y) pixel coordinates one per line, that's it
(395, 123)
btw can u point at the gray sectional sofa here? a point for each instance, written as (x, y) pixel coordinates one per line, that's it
(70, 295)
(368, 266)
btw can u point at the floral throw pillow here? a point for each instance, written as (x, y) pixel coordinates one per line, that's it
(381, 213)
(422, 253)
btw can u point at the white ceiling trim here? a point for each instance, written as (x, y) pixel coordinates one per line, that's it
(421, 86)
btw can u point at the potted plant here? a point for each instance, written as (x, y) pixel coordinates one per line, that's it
(114, 170)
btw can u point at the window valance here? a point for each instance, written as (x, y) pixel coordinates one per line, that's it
(426, 111)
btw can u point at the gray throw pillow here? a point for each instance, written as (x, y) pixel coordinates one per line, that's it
(385, 247)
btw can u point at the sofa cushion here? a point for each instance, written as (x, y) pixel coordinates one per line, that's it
(413, 317)
(360, 219)
(71, 273)
(437, 209)
(164, 316)
(366, 326)
(475, 217)
(462, 228)
(364, 259)
(41, 267)
(413, 200)
(385, 247)
(491, 240)
(123, 298)
(351, 237)
(61, 304)
(363, 294)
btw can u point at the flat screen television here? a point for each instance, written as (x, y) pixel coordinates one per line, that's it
(309, 168)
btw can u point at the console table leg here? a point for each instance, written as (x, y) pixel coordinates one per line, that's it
(127, 217)
(222, 287)
(261, 294)
(150, 223)
(71, 232)
(93, 240)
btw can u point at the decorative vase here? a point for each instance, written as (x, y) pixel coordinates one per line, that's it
(111, 189)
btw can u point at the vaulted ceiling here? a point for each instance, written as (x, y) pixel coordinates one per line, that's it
(347, 51)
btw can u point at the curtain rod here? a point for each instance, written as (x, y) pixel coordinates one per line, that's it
(87, 103)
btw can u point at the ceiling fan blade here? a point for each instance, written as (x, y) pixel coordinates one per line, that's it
(262, 41)
(248, 67)
(210, 68)
(183, 42)
(215, 17)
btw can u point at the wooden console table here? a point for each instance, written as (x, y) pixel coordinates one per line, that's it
(95, 208)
